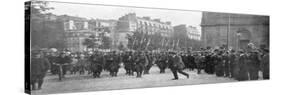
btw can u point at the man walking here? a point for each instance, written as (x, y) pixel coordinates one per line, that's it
(39, 67)
(176, 65)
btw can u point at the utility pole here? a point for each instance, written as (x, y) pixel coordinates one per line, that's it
(228, 30)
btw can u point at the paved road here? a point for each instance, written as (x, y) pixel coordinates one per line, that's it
(78, 83)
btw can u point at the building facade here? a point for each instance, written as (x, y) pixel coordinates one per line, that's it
(78, 29)
(130, 23)
(234, 30)
(193, 33)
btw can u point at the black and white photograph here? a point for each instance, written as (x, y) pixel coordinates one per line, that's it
(81, 47)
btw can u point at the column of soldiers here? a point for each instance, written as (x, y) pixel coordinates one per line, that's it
(240, 65)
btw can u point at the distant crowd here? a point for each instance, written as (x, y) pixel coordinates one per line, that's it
(248, 64)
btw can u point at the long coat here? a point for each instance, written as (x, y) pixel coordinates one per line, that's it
(177, 62)
(39, 67)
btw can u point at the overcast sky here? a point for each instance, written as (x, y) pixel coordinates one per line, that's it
(114, 12)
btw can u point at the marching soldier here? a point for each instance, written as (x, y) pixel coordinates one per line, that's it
(96, 64)
(161, 62)
(176, 65)
(39, 68)
(149, 64)
(232, 63)
(254, 65)
(63, 59)
(219, 64)
(128, 63)
(140, 61)
(199, 60)
(225, 64)
(243, 66)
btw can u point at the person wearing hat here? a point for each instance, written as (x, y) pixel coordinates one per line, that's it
(254, 65)
(265, 64)
(63, 59)
(219, 64)
(39, 67)
(231, 58)
(243, 66)
(176, 65)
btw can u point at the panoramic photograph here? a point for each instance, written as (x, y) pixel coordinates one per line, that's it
(79, 47)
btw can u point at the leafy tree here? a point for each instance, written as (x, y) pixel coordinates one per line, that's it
(44, 33)
(91, 42)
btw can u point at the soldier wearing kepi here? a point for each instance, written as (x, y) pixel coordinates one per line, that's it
(140, 61)
(176, 65)
(39, 67)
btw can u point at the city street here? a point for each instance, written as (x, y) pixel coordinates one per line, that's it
(78, 83)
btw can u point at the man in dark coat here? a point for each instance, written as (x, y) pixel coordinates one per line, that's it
(232, 63)
(219, 64)
(140, 62)
(149, 64)
(243, 67)
(208, 67)
(63, 59)
(96, 64)
(127, 59)
(191, 61)
(226, 64)
(265, 64)
(176, 65)
(161, 62)
(254, 65)
(39, 67)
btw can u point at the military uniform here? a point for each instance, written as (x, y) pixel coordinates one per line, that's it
(162, 63)
(219, 65)
(39, 67)
(254, 65)
(139, 67)
(149, 64)
(64, 60)
(226, 65)
(177, 66)
(243, 67)
(96, 65)
(265, 66)
(231, 64)
(199, 60)
(128, 63)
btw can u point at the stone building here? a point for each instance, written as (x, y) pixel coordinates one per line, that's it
(78, 29)
(193, 33)
(234, 30)
(130, 23)
(187, 36)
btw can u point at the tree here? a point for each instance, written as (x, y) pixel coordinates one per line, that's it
(106, 42)
(121, 46)
(44, 33)
(91, 41)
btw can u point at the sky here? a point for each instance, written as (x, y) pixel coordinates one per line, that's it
(177, 17)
